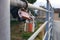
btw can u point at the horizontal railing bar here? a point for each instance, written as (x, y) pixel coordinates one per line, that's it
(50, 24)
(49, 18)
(49, 33)
(50, 29)
(31, 6)
(37, 8)
(38, 31)
(45, 35)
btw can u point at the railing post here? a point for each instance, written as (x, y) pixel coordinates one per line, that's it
(47, 19)
(49, 25)
(52, 23)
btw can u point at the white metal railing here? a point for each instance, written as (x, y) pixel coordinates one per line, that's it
(38, 31)
(49, 18)
(50, 24)
(18, 3)
(31, 6)
(47, 33)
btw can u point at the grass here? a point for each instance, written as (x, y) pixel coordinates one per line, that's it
(26, 35)
(15, 31)
(38, 25)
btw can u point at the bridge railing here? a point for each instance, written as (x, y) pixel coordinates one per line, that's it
(38, 31)
(48, 24)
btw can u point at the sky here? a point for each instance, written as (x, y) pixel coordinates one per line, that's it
(54, 3)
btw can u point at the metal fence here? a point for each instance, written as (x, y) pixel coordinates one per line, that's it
(48, 24)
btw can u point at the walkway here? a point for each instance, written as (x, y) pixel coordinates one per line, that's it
(56, 30)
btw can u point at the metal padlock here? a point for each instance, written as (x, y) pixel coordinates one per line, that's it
(23, 14)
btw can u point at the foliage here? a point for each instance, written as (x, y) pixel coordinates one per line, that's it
(26, 35)
(31, 1)
(38, 24)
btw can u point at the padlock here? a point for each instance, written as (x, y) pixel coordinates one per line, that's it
(26, 4)
(23, 14)
(14, 9)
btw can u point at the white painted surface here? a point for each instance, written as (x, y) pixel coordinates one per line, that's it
(56, 30)
(4, 19)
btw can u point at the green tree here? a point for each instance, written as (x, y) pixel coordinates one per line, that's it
(31, 1)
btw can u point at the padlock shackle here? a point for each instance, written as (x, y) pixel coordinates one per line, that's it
(19, 3)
